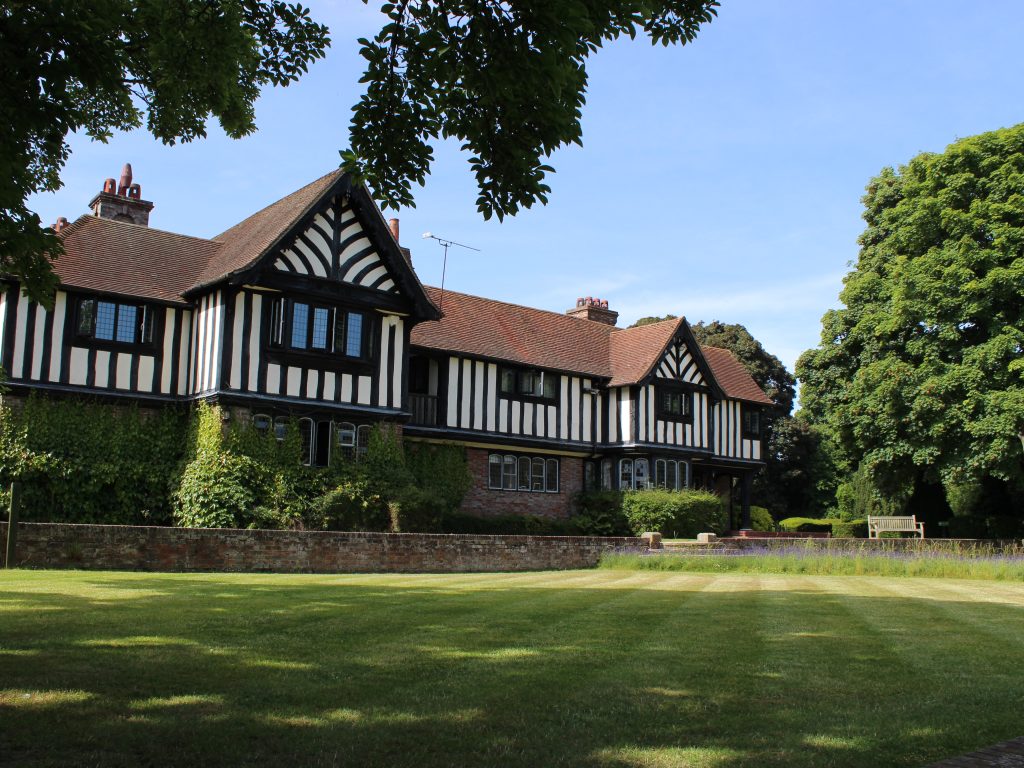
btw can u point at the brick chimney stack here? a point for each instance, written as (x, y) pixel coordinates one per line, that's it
(393, 226)
(593, 309)
(122, 201)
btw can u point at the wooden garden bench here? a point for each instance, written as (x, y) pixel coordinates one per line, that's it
(879, 525)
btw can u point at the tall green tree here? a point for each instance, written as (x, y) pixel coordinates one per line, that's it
(797, 479)
(506, 78)
(919, 377)
(765, 368)
(96, 66)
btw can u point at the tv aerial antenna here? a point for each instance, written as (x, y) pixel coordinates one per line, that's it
(446, 244)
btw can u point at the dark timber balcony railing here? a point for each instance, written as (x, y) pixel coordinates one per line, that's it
(424, 410)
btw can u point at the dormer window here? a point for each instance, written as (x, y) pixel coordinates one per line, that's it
(306, 327)
(103, 320)
(529, 383)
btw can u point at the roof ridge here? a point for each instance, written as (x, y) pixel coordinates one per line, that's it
(279, 200)
(85, 217)
(652, 325)
(524, 306)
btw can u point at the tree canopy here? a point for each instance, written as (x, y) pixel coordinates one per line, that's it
(921, 374)
(507, 79)
(95, 67)
(765, 368)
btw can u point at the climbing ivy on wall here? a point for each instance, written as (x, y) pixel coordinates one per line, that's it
(87, 462)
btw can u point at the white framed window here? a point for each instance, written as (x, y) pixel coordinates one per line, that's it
(537, 474)
(606, 474)
(671, 474)
(551, 483)
(625, 473)
(363, 439)
(508, 481)
(522, 473)
(494, 462)
(281, 427)
(641, 473)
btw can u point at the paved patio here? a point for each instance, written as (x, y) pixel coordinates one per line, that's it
(1008, 754)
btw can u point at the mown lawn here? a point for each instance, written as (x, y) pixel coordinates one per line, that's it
(588, 668)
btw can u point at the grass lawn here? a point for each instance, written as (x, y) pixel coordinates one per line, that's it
(587, 668)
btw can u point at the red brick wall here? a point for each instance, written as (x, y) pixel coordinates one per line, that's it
(484, 502)
(137, 548)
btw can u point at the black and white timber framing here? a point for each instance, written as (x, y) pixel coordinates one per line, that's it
(218, 343)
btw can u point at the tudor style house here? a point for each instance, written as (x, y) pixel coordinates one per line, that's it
(311, 310)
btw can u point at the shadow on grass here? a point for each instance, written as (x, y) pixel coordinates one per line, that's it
(116, 670)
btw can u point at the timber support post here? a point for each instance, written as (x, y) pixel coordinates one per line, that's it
(745, 501)
(12, 525)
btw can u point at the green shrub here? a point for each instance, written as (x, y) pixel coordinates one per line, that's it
(806, 525)
(221, 491)
(441, 469)
(599, 513)
(416, 510)
(837, 527)
(353, 506)
(986, 527)
(675, 514)
(509, 525)
(761, 519)
(850, 529)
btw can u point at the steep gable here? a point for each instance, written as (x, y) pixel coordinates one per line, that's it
(330, 229)
(337, 245)
(679, 364)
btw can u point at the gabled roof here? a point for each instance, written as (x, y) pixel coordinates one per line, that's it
(248, 240)
(635, 351)
(495, 329)
(118, 257)
(486, 328)
(733, 377)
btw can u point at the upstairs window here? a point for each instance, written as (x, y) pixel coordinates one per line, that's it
(303, 326)
(529, 383)
(751, 423)
(674, 404)
(112, 321)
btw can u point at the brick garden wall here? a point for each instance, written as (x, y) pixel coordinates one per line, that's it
(138, 548)
(485, 502)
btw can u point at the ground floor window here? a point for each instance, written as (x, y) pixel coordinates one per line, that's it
(671, 474)
(536, 474)
(319, 438)
(634, 474)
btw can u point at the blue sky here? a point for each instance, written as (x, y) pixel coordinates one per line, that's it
(719, 180)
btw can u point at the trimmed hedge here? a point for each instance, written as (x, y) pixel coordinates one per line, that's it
(509, 525)
(840, 529)
(599, 513)
(674, 514)
(761, 519)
